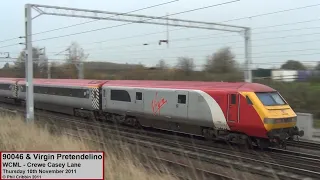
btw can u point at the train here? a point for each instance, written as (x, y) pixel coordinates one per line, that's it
(238, 112)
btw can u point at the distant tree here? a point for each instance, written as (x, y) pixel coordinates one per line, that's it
(6, 66)
(162, 64)
(19, 64)
(185, 64)
(221, 62)
(293, 65)
(74, 56)
(43, 64)
(75, 53)
(318, 67)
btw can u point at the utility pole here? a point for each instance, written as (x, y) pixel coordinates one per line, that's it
(248, 72)
(29, 64)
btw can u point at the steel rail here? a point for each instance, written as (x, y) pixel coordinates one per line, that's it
(213, 157)
(305, 144)
(205, 151)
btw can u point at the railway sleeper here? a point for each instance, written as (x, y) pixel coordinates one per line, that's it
(87, 114)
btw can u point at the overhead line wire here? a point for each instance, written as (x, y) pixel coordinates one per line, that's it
(211, 44)
(258, 57)
(208, 50)
(107, 17)
(92, 20)
(182, 13)
(124, 24)
(256, 16)
(216, 35)
(270, 38)
(281, 11)
(270, 13)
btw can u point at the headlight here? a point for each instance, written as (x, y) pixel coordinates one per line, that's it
(279, 120)
(268, 121)
(294, 119)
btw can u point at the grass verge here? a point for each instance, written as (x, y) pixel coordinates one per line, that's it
(15, 135)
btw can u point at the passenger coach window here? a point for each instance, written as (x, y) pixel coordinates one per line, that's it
(138, 95)
(249, 101)
(5, 86)
(233, 99)
(182, 99)
(120, 95)
(78, 93)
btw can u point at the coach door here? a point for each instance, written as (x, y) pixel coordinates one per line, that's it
(138, 102)
(105, 95)
(233, 107)
(181, 109)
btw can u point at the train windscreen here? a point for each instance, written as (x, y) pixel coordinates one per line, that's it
(270, 98)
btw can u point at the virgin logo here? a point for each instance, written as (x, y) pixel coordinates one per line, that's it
(157, 105)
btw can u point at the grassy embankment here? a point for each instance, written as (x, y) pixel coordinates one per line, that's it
(15, 135)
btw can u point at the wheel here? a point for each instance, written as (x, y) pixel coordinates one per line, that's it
(263, 143)
(249, 143)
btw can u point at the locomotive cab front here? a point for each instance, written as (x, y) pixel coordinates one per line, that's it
(278, 117)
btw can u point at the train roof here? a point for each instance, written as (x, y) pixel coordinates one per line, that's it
(9, 80)
(67, 82)
(199, 85)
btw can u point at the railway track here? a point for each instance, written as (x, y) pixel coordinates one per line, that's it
(181, 170)
(278, 163)
(210, 156)
(305, 144)
(237, 160)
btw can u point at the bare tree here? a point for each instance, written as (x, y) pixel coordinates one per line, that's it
(75, 58)
(185, 64)
(162, 64)
(20, 63)
(221, 62)
(43, 63)
(6, 66)
(75, 53)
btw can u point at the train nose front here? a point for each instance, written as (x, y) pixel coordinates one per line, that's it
(280, 131)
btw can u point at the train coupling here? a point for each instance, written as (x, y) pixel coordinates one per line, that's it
(279, 137)
(285, 133)
(296, 132)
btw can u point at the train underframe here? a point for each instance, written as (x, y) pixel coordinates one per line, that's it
(276, 138)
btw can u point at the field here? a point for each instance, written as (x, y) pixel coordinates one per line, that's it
(15, 135)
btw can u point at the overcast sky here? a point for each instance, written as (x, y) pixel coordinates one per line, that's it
(275, 38)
